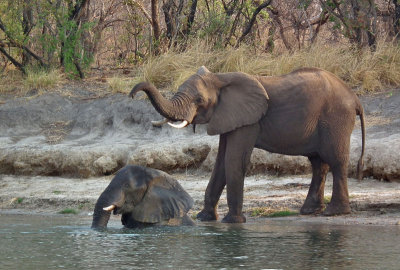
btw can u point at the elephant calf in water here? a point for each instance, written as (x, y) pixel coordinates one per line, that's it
(143, 196)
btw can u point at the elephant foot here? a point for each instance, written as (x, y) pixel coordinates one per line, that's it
(205, 215)
(335, 210)
(312, 209)
(234, 219)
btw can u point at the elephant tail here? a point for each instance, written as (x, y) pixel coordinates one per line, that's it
(360, 166)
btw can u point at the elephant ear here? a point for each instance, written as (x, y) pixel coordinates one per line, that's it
(242, 101)
(165, 199)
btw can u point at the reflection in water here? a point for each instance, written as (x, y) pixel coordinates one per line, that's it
(31, 242)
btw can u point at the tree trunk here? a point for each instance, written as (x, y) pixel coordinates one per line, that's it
(27, 23)
(168, 17)
(396, 25)
(155, 21)
(192, 13)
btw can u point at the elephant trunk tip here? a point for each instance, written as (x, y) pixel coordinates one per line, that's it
(143, 86)
(100, 218)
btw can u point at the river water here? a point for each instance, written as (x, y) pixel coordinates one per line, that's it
(67, 242)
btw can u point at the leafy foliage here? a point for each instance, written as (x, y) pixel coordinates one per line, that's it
(47, 31)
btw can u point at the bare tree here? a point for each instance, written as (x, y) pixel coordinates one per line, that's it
(172, 16)
(358, 18)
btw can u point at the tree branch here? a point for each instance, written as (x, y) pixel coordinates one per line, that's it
(247, 30)
(142, 9)
(12, 60)
(17, 44)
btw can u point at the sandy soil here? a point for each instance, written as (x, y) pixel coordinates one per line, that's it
(59, 151)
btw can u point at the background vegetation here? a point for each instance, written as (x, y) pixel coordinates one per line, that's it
(164, 41)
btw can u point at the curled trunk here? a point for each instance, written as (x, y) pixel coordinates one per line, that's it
(176, 109)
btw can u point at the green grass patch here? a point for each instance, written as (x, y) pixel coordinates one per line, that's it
(19, 200)
(268, 212)
(57, 192)
(69, 211)
(284, 213)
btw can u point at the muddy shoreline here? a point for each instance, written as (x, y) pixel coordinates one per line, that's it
(60, 151)
(373, 202)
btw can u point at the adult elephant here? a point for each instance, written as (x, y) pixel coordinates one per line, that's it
(308, 112)
(143, 196)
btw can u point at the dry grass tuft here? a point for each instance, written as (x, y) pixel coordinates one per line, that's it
(11, 81)
(121, 85)
(42, 79)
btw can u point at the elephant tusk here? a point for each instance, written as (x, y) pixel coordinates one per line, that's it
(159, 123)
(109, 208)
(181, 125)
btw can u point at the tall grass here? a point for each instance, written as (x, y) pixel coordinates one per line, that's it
(360, 68)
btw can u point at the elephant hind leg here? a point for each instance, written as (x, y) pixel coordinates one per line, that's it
(340, 203)
(314, 202)
(338, 159)
(335, 150)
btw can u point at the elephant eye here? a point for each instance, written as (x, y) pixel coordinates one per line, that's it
(125, 185)
(199, 100)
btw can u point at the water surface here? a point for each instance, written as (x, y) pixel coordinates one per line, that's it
(67, 242)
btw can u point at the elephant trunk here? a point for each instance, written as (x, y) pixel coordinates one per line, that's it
(100, 215)
(178, 108)
(100, 218)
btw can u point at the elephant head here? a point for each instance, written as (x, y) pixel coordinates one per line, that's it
(142, 195)
(226, 101)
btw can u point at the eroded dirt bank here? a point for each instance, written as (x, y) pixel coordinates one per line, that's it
(90, 133)
(59, 150)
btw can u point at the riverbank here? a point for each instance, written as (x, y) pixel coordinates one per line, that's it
(59, 151)
(373, 202)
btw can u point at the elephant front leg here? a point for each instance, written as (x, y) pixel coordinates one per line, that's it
(240, 144)
(215, 185)
(314, 202)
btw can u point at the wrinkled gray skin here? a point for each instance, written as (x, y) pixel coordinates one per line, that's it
(143, 196)
(309, 112)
